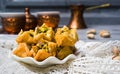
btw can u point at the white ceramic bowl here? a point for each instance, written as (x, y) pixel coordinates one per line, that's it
(47, 62)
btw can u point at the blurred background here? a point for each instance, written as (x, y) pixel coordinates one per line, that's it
(108, 16)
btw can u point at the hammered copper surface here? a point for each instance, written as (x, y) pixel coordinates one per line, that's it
(51, 20)
(13, 25)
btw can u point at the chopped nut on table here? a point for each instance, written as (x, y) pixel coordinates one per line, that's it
(91, 36)
(116, 58)
(104, 33)
(116, 53)
(91, 31)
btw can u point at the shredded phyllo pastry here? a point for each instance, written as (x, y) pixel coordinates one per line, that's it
(44, 42)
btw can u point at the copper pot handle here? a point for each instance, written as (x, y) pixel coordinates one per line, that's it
(99, 6)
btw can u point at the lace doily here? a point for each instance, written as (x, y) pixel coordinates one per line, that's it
(21, 68)
(97, 49)
(94, 65)
(96, 60)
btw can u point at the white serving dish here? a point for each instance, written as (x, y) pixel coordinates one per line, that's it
(47, 62)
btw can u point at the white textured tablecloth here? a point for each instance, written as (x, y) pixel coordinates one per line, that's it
(96, 60)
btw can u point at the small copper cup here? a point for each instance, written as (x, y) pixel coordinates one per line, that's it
(50, 18)
(12, 23)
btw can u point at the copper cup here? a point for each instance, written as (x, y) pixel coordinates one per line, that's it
(50, 18)
(12, 23)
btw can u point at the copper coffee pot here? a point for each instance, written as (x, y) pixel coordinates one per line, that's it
(77, 20)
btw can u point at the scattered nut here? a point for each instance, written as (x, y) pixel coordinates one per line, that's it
(116, 54)
(93, 31)
(116, 58)
(104, 33)
(115, 51)
(91, 36)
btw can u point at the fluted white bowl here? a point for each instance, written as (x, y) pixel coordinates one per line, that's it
(45, 63)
